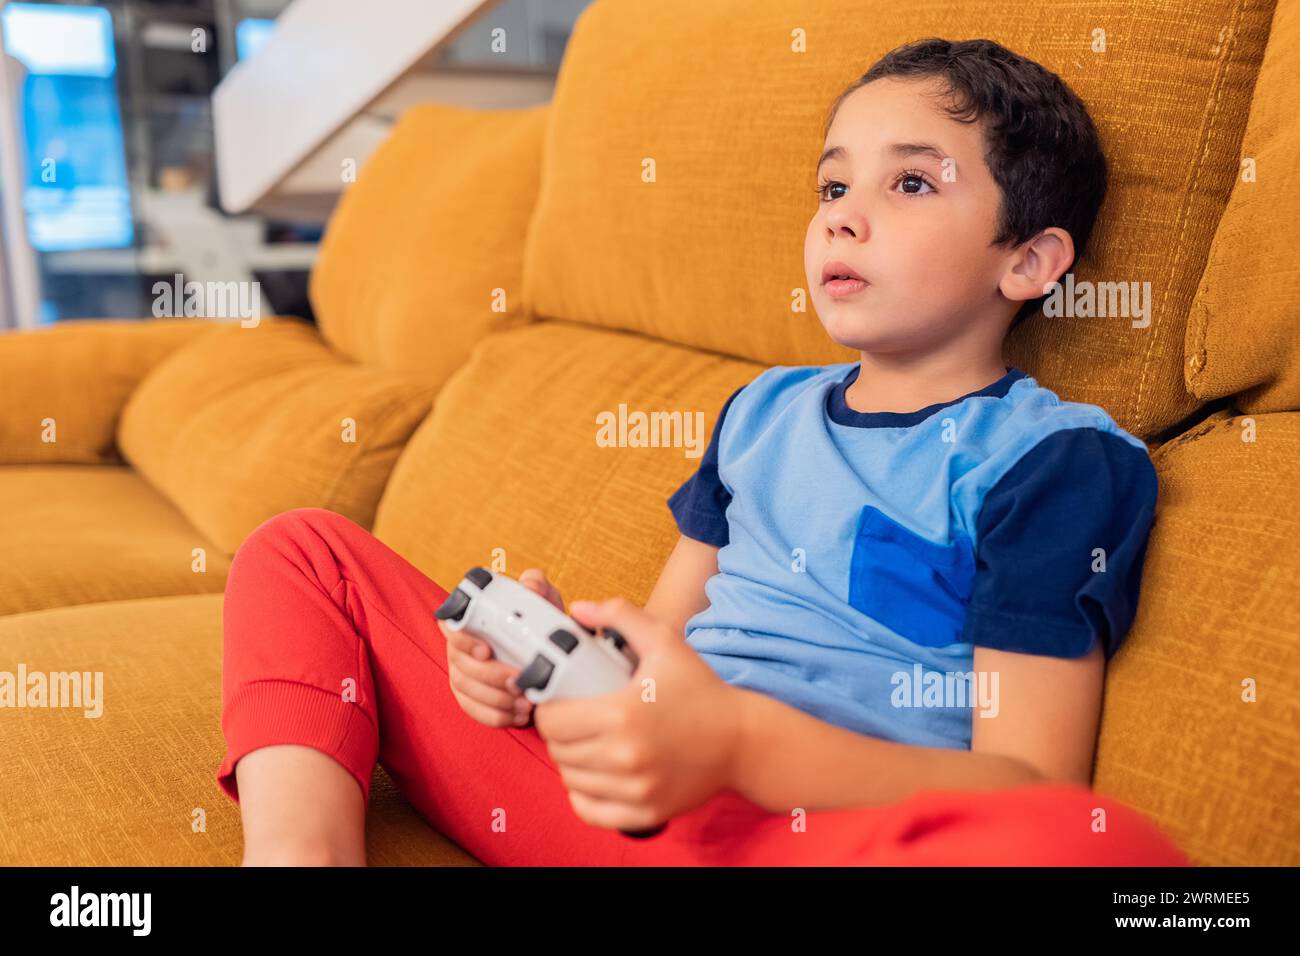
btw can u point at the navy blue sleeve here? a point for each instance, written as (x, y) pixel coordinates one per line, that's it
(699, 506)
(1038, 588)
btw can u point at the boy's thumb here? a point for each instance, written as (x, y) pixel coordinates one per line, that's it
(632, 623)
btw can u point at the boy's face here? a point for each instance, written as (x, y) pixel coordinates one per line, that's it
(921, 237)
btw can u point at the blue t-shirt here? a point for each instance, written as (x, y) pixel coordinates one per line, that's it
(864, 555)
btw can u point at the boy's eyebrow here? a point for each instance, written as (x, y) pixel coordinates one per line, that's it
(898, 150)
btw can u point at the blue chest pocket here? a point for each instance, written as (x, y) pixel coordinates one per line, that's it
(914, 587)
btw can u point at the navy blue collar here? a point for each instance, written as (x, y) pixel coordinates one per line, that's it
(841, 414)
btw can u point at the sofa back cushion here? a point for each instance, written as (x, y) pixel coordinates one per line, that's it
(1242, 338)
(248, 422)
(509, 470)
(424, 252)
(710, 253)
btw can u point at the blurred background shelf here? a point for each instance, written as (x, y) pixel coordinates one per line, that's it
(128, 127)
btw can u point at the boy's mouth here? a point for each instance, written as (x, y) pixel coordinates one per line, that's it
(840, 279)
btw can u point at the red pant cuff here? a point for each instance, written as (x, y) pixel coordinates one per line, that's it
(267, 712)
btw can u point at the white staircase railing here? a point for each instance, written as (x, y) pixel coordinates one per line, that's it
(325, 63)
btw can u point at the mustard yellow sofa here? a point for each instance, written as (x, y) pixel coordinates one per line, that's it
(496, 279)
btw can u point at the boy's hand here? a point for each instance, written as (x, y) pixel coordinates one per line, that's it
(535, 580)
(485, 688)
(661, 746)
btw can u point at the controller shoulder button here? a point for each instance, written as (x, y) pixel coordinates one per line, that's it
(563, 640)
(537, 674)
(453, 608)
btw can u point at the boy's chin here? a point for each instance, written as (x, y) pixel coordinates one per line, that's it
(859, 330)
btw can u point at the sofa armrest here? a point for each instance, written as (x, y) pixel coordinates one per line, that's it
(63, 386)
(1199, 728)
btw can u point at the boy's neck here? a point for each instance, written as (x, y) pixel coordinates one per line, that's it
(885, 384)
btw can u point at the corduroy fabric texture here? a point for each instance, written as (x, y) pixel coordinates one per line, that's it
(135, 786)
(1218, 610)
(508, 466)
(78, 534)
(1244, 334)
(79, 374)
(710, 253)
(250, 422)
(424, 253)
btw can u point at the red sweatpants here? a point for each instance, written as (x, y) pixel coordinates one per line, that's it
(314, 601)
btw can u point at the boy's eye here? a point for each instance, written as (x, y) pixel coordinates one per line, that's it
(913, 183)
(828, 184)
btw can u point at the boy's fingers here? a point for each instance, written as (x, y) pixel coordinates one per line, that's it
(484, 715)
(492, 673)
(454, 638)
(490, 715)
(467, 643)
(535, 579)
(483, 693)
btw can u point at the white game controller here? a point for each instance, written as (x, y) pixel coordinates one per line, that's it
(559, 657)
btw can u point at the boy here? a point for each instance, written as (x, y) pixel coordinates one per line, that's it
(888, 526)
(856, 541)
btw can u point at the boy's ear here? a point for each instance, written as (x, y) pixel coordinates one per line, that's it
(1037, 263)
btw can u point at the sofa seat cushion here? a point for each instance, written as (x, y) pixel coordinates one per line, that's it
(1200, 728)
(80, 534)
(135, 786)
(250, 422)
(709, 251)
(515, 468)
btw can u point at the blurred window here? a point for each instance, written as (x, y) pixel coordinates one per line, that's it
(250, 35)
(77, 194)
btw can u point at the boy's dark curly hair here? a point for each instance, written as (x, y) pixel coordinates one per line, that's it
(1042, 148)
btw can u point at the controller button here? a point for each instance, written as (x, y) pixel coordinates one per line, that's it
(621, 645)
(480, 576)
(453, 608)
(537, 674)
(564, 640)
